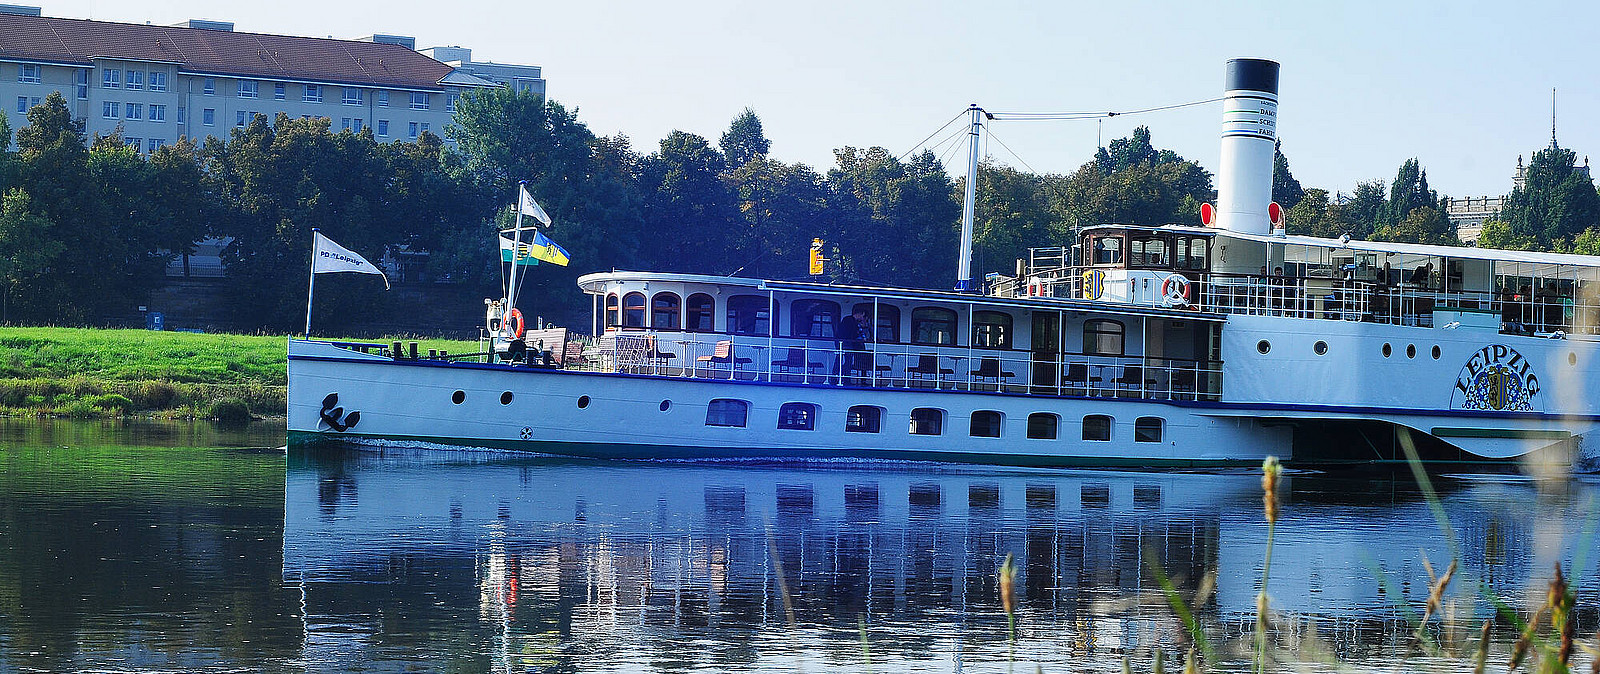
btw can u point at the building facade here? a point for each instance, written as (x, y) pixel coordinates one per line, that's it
(198, 79)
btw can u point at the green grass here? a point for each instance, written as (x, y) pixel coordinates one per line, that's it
(88, 373)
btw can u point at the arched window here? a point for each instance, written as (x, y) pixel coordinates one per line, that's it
(986, 424)
(1097, 427)
(1103, 337)
(797, 416)
(633, 310)
(927, 421)
(887, 321)
(1043, 425)
(727, 412)
(933, 325)
(813, 318)
(664, 311)
(613, 313)
(749, 315)
(1148, 429)
(701, 313)
(991, 329)
(863, 419)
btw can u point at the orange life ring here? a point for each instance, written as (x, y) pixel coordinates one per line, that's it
(514, 320)
(1176, 286)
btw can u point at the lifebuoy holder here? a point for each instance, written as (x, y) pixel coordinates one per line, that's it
(515, 323)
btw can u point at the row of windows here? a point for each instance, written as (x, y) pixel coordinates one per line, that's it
(750, 315)
(148, 145)
(111, 78)
(798, 416)
(313, 93)
(115, 110)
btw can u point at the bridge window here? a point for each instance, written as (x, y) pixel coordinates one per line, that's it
(933, 325)
(986, 424)
(1097, 427)
(664, 311)
(813, 318)
(863, 419)
(1192, 253)
(701, 313)
(1043, 425)
(613, 315)
(727, 412)
(1106, 250)
(1148, 429)
(633, 310)
(797, 416)
(1148, 251)
(748, 315)
(1103, 337)
(991, 329)
(927, 421)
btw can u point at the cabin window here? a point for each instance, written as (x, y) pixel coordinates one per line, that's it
(633, 310)
(749, 315)
(1148, 429)
(927, 421)
(797, 416)
(986, 424)
(701, 313)
(664, 311)
(613, 312)
(933, 325)
(813, 318)
(863, 419)
(886, 322)
(991, 329)
(1192, 253)
(1097, 427)
(1148, 251)
(727, 412)
(1043, 425)
(1103, 337)
(1106, 250)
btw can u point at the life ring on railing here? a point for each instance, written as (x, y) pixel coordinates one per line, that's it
(1175, 289)
(515, 323)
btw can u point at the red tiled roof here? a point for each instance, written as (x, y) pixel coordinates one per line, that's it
(219, 52)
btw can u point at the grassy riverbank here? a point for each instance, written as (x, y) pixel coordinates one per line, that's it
(87, 373)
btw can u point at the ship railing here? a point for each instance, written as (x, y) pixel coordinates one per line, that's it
(810, 361)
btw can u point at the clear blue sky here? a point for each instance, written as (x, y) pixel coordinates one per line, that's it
(1463, 86)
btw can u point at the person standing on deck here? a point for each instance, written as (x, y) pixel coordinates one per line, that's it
(851, 333)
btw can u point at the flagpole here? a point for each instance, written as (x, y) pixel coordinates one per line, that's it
(516, 249)
(311, 286)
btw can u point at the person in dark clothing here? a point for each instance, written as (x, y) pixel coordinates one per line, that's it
(851, 333)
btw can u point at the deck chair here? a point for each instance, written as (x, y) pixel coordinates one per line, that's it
(1132, 378)
(989, 368)
(723, 353)
(928, 367)
(654, 355)
(796, 362)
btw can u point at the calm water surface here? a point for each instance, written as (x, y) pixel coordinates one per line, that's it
(172, 547)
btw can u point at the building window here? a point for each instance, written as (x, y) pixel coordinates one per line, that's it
(664, 311)
(727, 412)
(158, 112)
(633, 310)
(748, 315)
(1097, 427)
(240, 118)
(1102, 337)
(986, 424)
(927, 421)
(183, 114)
(136, 79)
(355, 125)
(1148, 429)
(413, 129)
(813, 318)
(135, 111)
(353, 96)
(701, 313)
(419, 101)
(158, 80)
(383, 98)
(249, 89)
(111, 78)
(280, 91)
(208, 116)
(156, 144)
(863, 419)
(424, 127)
(886, 322)
(933, 325)
(313, 93)
(209, 87)
(80, 79)
(133, 142)
(22, 104)
(383, 128)
(344, 123)
(1043, 426)
(450, 101)
(797, 416)
(991, 329)
(110, 109)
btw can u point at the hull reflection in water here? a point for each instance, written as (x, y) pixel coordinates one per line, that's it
(534, 562)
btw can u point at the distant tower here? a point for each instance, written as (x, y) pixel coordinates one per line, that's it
(1552, 118)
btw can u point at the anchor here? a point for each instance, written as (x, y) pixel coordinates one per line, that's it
(334, 416)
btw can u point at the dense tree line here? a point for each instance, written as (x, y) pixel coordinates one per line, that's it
(87, 226)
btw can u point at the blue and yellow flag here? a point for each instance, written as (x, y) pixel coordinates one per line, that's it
(524, 255)
(549, 251)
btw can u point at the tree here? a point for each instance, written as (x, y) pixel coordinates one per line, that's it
(1498, 234)
(26, 248)
(1358, 216)
(744, 140)
(895, 222)
(687, 208)
(1012, 214)
(1408, 192)
(1285, 189)
(1556, 202)
(1314, 215)
(783, 207)
(1133, 183)
(1423, 224)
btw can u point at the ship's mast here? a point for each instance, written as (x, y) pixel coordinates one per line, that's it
(516, 247)
(964, 277)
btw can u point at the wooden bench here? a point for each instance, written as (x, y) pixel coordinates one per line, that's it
(553, 340)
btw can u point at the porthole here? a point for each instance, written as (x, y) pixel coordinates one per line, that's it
(505, 398)
(458, 397)
(666, 405)
(1436, 352)
(1387, 350)
(1411, 350)
(1320, 347)
(1263, 346)
(1572, 358)
(583, 402)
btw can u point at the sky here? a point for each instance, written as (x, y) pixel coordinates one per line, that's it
(1462, 86)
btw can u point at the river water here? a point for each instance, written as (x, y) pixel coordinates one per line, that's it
(159, 547)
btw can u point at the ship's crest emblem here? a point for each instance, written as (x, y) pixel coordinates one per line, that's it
(1497, 378)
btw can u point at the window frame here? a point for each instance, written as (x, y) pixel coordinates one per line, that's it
(759, 313)
(1036, 429)
(312, 94)
(110, 78)
(804, 313)
(208, 86)
(1106, 419)
(613, 310)
(885, 321)
(1092, 327)
(135, 81)
(692, 313)
(1141, 430)
(920, 319)
(993, 424)
(628, 307)
(420, 100)
(158, 112)
(672, 312)
(922, 423)
(360, 97)
(36, 76)
(797, 416)
(988, 339)
(249, 89)
(208, 117)
(728, 413)
(863, 419)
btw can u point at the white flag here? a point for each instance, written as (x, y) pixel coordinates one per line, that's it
(328, 257)
(530, 208)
